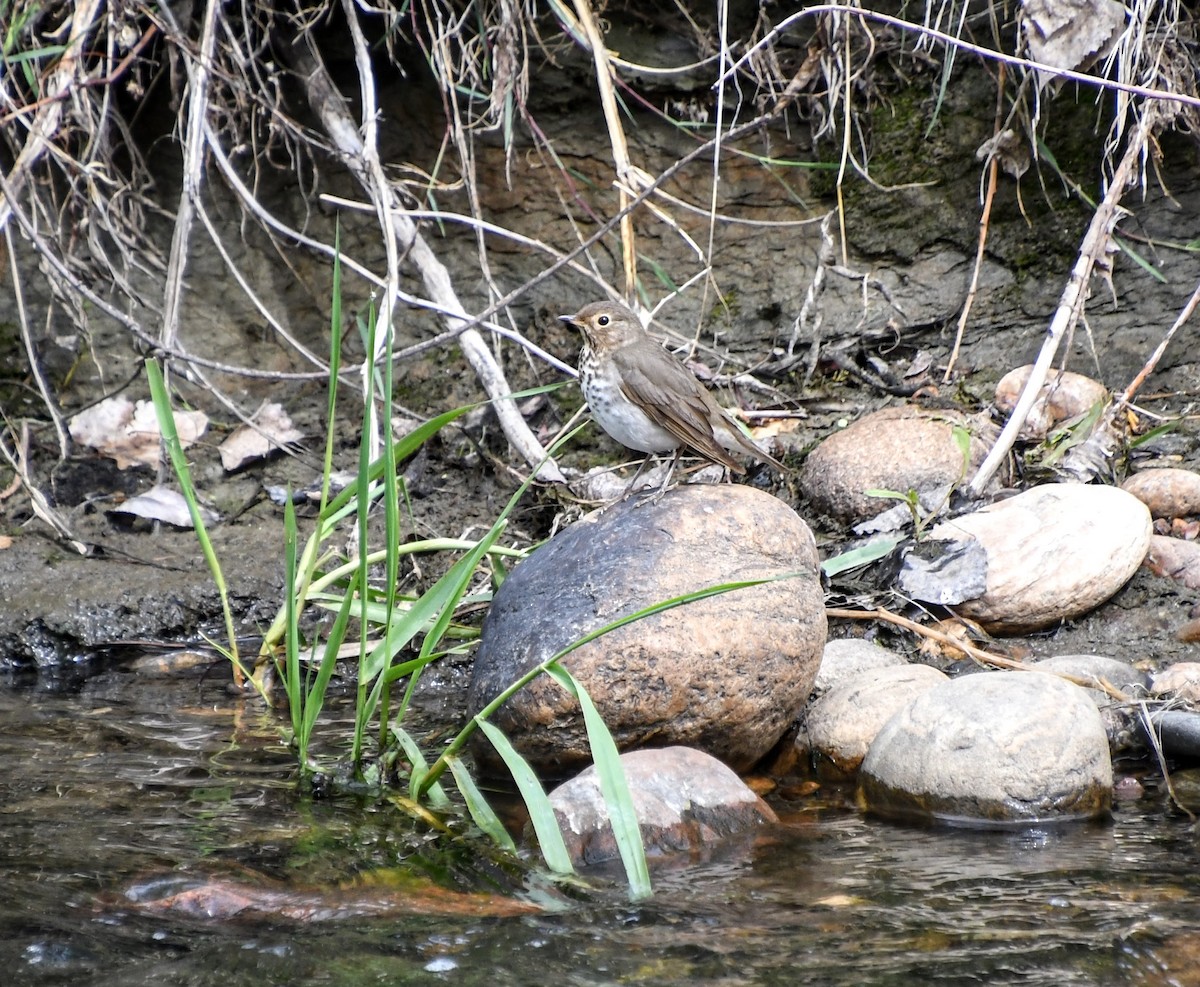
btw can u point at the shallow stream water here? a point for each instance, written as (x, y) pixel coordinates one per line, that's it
(119, 779)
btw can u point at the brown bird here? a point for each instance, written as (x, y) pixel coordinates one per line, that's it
(646, 399)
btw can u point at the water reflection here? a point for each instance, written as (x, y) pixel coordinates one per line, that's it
(128, 777)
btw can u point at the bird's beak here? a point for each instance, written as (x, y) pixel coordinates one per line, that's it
(569, 320)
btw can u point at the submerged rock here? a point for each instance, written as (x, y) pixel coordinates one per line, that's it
(1053, 552)
(726, 674)
(684, 800)
(993, 749)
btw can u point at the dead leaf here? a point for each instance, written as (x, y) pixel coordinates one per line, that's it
(1009, 149)
(161, 504)
(129, 433)
(270, 429)
(1070, 34)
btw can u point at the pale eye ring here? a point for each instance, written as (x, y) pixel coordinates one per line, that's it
(602, 321)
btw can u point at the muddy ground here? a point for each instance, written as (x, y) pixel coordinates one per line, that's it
(914, 234)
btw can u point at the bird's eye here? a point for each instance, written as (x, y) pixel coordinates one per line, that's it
(603, 320)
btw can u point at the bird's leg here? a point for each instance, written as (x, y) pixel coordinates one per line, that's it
(641, 466)
(655, 497)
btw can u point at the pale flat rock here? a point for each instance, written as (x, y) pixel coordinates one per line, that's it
(991, 749)
(1053, 552)
(727, 674)
(844, 721)
(685, 800)
(897, 449)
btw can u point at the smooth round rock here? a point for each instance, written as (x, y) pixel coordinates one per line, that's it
(850, 656)
(1095, 670)
(1178, 681)
(1176, 559)
(1064, 395)
(684, 800)
(898, 449)
(844, 721)
(993, 749)
(1168, 492)
(726, 674)
(1053, 552)
(1120, 719)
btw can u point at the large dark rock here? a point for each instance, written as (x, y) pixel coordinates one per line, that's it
(726, 674)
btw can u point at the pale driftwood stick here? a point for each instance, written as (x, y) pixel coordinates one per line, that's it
(35, 365)
(329, 106)
(1095, 244)
(977, 654)
(198, 70)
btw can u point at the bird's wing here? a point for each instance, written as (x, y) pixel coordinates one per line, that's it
(680, 405)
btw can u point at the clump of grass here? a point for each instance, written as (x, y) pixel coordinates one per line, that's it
(393, 637)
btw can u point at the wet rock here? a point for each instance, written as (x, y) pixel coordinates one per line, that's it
(726, 674)
(1168, 492)
(1120, 721)
(1064, 395)
(1177, 732)
(844, 721)
(1176, 559)
(1180, 681)
(59, 608)
(999, 748)
(848, 657)
(899, 449)
(1053, 552)
(222, 899)
(684, 799)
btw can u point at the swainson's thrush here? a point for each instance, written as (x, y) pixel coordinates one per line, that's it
(646, 399)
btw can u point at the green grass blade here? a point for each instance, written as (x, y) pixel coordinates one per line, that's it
(477, 804)
(420, 767)
(292, 683)
(315, 698)
(166, 425)
(613, 786)
(863, 555)
(541, 816)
